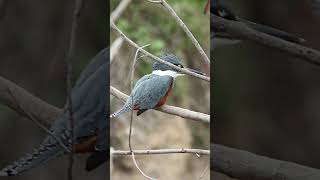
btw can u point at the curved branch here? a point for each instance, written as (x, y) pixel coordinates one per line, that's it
(161, 151)
(185, 28)
(119, 10)
(153, 57)
(26, 104)
(244, 32)
(184, 113)
(245, 165)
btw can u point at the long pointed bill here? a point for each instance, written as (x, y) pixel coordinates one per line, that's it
(195, 71)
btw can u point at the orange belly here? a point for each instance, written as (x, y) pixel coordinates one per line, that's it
(163, 100)
(86, 146)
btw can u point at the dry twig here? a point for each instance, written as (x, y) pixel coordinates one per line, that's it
(115, 47)
(162, 151)
(153, 57)
(70, 56)
(185, 28)
(119, 10)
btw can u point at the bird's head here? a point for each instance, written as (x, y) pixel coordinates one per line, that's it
(165, 70)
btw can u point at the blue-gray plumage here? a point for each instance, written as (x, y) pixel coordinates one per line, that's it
(152, 89)
(90, 107)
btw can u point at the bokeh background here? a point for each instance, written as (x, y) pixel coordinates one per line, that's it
(147, 23)
(34, 37)
(265, 101)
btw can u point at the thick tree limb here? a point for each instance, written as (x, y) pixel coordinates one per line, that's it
(26, 104)
(184, 113)
(245, 165)
(161, 151)
(244, 32)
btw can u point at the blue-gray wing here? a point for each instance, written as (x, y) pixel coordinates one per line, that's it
(101, 58)
(149, 90)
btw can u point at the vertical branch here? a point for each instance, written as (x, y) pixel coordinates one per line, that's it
(132, 108)
(70, 56)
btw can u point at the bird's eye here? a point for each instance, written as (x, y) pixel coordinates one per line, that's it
(179, 65)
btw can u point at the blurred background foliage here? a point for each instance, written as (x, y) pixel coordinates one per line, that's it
(34, 37)
(147, 23)
(266, 101)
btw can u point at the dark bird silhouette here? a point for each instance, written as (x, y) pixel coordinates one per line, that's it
(218, 39)
(91, 115)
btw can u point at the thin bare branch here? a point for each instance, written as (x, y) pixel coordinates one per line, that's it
(184, 113)
(70, 56)
(135, 163)
(185, 28)
(162, 151)
(131, 116)
(115, 47)
(244, 32)
(26, 104)
(119, 10)
(153, 57)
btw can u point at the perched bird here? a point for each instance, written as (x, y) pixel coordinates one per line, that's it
(152, 90)
(219, 39)
(91, 128)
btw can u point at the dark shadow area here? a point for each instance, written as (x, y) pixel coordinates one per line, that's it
(34, 39)
(265, 101)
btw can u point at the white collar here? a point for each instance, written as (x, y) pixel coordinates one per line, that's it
(171, 73)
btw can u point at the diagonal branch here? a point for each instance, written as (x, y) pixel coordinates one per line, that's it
(245, 165)
(153, 57)
(244, 32)
(119, 10)
(184, 113)
(26, 104)
(184, 27)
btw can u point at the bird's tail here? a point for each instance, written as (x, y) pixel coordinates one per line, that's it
(124, 109)
(272, 31)
(39, 156)
(96, 159)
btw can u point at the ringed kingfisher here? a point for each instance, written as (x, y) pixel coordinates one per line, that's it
(152, 90)
(220, 39)
(91, 127)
